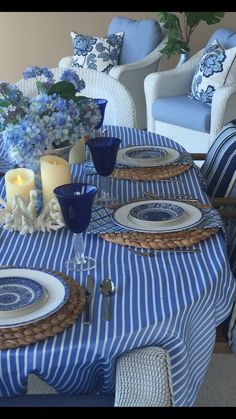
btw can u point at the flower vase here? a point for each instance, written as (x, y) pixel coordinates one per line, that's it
(183, 58)
(62, 152)
(78, 153)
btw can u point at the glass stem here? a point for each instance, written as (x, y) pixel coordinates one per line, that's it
(105, 186)
(79, 247)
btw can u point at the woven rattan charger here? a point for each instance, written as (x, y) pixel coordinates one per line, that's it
(30, 333)
(150, 173)
(162, 241)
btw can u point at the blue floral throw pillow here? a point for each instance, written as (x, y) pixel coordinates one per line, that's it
(217, 68)
(99, 54)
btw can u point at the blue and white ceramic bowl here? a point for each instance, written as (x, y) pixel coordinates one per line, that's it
(156, 212)
(17, 293)
(145, 153)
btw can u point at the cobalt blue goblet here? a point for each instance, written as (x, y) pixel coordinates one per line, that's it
(76, 202)
(102, 106)
(87, 169)
(104, 151)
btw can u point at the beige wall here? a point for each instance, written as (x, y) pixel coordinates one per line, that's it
(42, 38)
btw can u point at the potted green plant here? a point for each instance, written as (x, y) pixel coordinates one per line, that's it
(180, 26)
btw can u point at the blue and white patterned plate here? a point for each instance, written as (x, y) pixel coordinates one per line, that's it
(147, 156)
(155, 212)
(145, 153)
(16, 293)
(192, 216)
(56, 295)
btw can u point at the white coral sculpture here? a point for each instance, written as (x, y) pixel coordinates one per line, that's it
(18, 216)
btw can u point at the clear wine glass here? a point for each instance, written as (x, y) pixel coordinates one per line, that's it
(102, 107)
(104, 151)
(76, 202)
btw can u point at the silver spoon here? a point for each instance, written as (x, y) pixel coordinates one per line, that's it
(107, 288)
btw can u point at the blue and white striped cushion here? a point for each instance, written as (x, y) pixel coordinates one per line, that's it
(232, 253)
(219, 168)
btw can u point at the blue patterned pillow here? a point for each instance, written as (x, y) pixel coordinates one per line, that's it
(99, 54)
(217, 68)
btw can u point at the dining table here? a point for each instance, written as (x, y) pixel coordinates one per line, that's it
(174, 299)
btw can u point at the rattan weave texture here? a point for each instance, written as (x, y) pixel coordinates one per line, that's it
(150, 173)
(160, 241)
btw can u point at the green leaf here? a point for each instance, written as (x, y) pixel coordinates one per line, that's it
(64, 89)
(180, 30)
(4, 104)
(174, 47)
(171, 22)
(194, 18)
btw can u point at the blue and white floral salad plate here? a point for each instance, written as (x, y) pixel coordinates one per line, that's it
(55, 294)
(17, 293)
(125, 216)
(155, 212)
(145, 153)
(147, 156)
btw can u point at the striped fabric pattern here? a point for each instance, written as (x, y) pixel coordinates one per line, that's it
(219, 168)
(232, 251)
(231, 326)
(171, 300)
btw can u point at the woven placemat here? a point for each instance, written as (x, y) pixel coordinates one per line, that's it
(150, 173)
(30, 333)
(160, 241)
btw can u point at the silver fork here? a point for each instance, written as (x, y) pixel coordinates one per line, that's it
(182, 197)
(152, 252)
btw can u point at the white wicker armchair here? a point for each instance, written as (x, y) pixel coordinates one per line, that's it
(143, 378)
(178, 82)
(120, 109)
(132, 76)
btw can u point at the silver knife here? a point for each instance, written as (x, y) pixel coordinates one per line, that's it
(89, 294)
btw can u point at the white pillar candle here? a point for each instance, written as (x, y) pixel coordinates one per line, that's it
(55, 171)
(77, 153)
(19, 181)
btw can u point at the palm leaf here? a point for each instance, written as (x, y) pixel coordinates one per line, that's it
(194, 18)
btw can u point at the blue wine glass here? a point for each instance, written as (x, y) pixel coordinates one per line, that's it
(104, 151)
(102, 106)
(76, 202)
(87, 169)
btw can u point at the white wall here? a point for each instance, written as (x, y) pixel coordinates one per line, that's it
(42, 38)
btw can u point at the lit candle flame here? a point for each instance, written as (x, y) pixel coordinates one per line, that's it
(19, 180)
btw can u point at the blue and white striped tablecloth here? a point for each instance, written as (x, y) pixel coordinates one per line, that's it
(174, 300)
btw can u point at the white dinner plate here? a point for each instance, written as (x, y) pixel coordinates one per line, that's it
(170, 155)
(57, 293)
(192, 216)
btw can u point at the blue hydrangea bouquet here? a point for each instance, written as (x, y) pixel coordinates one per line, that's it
(55, 118)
